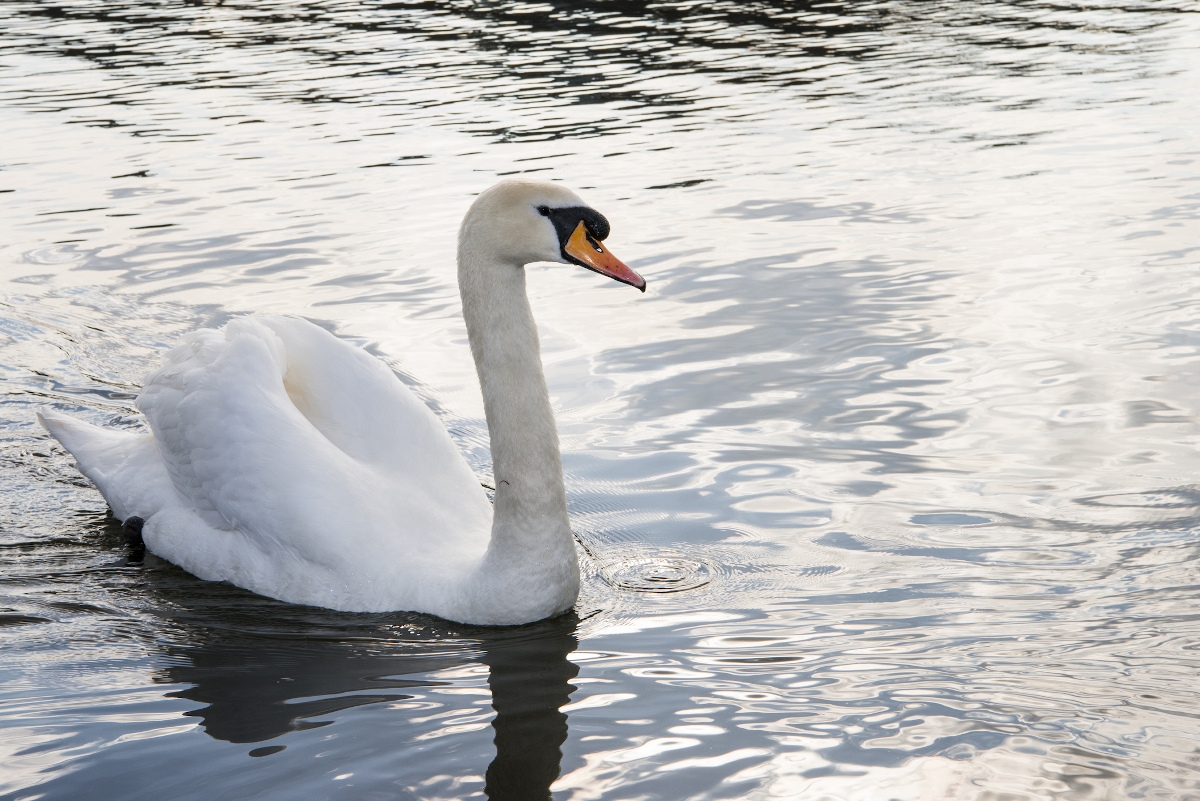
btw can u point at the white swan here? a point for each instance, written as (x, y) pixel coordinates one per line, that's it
(288, 462)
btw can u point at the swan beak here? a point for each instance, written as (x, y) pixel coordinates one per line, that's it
(585, 250)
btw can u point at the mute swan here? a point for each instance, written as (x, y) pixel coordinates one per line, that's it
(288, 462)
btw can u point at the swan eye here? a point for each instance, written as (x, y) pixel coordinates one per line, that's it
(544, 211)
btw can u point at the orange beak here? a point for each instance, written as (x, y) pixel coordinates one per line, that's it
(587, 251)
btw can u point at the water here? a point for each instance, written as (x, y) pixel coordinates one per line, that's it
(886, 489)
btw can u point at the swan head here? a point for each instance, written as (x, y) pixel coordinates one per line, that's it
(520, 221)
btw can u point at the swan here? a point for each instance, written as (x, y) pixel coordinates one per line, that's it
(297, 466)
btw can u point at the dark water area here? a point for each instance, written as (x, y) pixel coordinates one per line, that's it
(886, 489)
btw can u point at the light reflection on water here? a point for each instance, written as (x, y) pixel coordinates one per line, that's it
(906, 419)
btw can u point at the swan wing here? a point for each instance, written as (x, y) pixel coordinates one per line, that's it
(360, 406)
(318, 456)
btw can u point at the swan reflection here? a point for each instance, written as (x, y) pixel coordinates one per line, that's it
(258, 687)
(530, 678)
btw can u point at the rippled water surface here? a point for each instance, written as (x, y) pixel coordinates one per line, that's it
(888, 488)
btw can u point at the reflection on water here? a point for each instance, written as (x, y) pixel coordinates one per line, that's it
(258, 688)
(886, 489)
(529, 675)
(255, 691)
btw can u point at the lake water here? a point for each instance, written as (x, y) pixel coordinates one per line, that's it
(888, 488)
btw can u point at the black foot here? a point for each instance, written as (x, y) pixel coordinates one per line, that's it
(132, 529)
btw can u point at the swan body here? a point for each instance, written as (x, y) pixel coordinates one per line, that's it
(293, 464)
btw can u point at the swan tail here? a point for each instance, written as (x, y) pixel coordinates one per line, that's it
(124, 465)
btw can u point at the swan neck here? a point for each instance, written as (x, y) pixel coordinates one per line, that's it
(530, 513)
